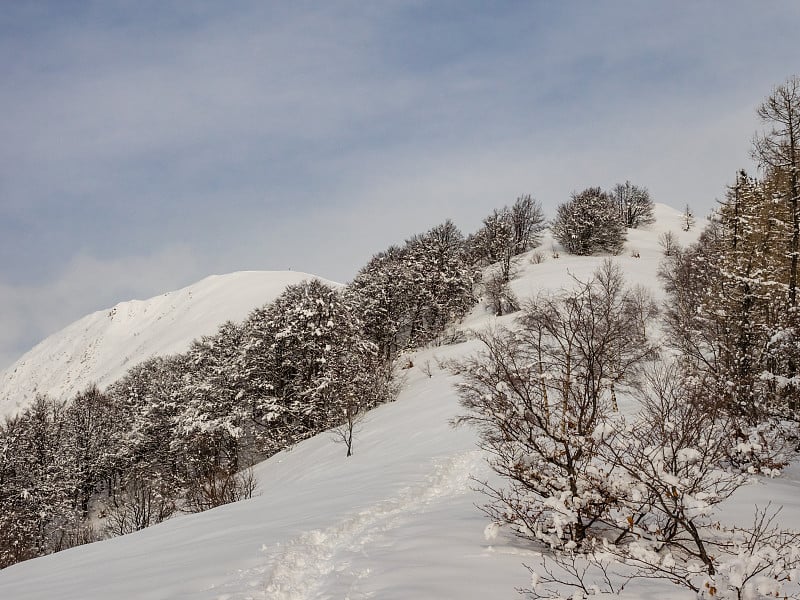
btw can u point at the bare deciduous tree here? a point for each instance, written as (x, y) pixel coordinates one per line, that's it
(634, 204)
(538, 394)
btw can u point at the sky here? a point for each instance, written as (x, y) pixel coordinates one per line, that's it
(147, 144)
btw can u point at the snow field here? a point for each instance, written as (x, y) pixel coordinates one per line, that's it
(397, 520)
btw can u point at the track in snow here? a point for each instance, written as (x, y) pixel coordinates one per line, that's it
(300, 568)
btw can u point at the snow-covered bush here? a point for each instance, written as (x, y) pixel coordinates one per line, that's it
(589, 223)
(500, 298)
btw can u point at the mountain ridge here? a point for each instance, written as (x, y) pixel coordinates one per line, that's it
(101, 346)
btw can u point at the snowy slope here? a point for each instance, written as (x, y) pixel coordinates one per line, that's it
(100, 347)
(395, 521)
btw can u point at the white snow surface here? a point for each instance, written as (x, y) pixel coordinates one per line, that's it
(100, 347)
(397, 520)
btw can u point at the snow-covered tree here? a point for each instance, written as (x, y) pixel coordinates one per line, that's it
(778, 152)
(305, 359)
(152, 470)
(506, 233)
(540, 393)
(634, 204)
(726, 303)
(92, 422)
(443, 281)
(36, 492)
(212, 428)
(589, 223)
(406, 297)
(380, 296)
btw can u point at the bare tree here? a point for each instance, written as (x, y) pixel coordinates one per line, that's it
(687, 218)
(668, 470)
(634, 204)
(507, 233)
(669, 244)
(538, 394)
(345, 433)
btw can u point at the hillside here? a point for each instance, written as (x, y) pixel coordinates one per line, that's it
(100, 347)
(395, 521)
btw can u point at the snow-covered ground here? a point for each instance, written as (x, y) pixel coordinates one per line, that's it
(100, 347)
(395, 521)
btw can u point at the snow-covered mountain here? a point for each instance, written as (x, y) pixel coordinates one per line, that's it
(100, 347)
(397, 520)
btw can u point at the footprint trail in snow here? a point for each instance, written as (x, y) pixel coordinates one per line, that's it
(300, 567)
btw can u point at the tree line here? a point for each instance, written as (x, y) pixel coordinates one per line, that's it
(179, 433)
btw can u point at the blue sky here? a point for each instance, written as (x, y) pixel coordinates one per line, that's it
(147, 144)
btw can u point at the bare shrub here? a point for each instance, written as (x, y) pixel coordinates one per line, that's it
(538, 394)
(220, 486)
(346, 431)
(500, 299)
(143, 500)
(668, 243)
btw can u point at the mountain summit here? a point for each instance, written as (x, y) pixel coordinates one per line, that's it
(100, 347)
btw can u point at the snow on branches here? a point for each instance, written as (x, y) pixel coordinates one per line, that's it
(603, 493)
